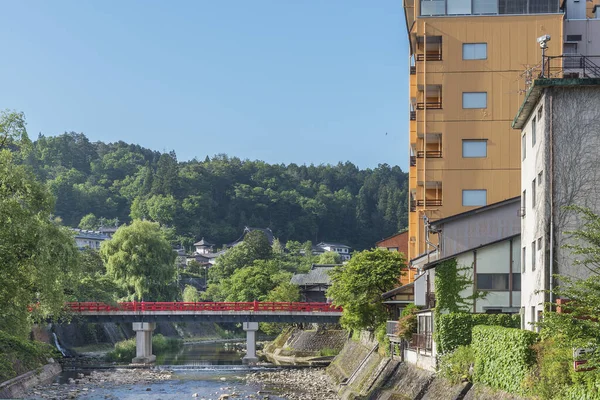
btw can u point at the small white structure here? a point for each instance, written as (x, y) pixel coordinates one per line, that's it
(323, 247)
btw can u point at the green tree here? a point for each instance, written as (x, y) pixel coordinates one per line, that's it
(91, 262)
(89, 222)
(38, 258)
(258, 245)
(254, 282)
(357, 287)
(140, 259)
(330, 257)
(190, 294)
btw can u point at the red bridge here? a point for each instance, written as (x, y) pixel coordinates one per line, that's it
(144, 316)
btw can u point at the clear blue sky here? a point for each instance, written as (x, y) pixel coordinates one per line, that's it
(303, 81)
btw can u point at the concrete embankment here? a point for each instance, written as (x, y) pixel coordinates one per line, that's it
(16, 387)
(360, 371)
(305, 347)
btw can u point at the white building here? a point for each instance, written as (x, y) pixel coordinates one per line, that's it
(559, 123)
(341, 249)
(89, 239)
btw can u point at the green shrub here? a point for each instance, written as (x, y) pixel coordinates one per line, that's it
(125, 350)
(454, 329)
(18, 355)
(553, 370)
(457, 366)
(503, 357)
(407, 324)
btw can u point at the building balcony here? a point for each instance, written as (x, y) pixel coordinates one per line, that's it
(413, 161)
(413, 206)
(429, 154)
(430, 105)
(487, 7)
(413, 115)
(413, 70)
(429, 203)
(429, 57)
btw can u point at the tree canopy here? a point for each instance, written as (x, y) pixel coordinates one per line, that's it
(38, 258)
(217, 197)
(357, 286)
(140, 259)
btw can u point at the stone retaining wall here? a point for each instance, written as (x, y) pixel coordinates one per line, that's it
(16, 387)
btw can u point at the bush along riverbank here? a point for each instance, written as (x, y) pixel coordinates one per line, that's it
(124, 351)
(18, 355)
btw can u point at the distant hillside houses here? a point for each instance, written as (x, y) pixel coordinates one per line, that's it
(205, 254)
(341, 249)
(89, 239)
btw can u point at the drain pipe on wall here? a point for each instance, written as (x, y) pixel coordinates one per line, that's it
(551, 178)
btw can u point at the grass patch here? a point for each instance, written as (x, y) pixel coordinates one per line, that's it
(328, 352)
(125, 350)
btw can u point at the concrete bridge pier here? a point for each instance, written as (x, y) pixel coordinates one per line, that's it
(143, 342)
(250, 328)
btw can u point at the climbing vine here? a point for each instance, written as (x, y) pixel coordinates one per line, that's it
(450, 281)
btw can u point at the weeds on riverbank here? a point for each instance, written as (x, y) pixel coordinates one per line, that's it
(125, 350)
(18, 356)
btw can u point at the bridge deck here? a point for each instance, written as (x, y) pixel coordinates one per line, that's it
(207, 312)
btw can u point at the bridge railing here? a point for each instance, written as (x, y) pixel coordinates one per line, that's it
(78, 307)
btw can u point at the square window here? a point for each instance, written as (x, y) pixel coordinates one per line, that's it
(474, 51)
(474, 100)
(474, 148)
(476, 197)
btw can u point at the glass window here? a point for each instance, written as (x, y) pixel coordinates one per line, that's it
(459, 7)
(533, 193)
(476, 197)
(524, 200)
(524, 146)
(539, 243)
(533, 131)
(539, 178)
(492, 281)
(533, 255)
(392, 248)
(540, 112)
(485, 6)
(474, 51)
(523, 259)
(516, 281)
(475, 100)
(474, 148)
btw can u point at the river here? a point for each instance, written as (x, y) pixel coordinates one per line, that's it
(203, 371)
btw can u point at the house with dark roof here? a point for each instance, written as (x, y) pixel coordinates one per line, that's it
(314, 284)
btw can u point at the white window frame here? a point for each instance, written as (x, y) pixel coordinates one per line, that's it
(473, 48)
(472, 141)
(475, 98)
(471, 203)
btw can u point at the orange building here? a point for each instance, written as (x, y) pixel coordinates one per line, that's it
(467, 60)
(399, 242)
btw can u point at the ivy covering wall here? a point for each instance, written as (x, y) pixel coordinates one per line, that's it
(503, 357)
(455, 329)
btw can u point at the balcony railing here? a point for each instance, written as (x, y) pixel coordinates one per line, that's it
(413, 70)
(487, 7)
(413, 206)
(421, 341)
(575, 65)
(429, 57)
(413, 161)
(429, 154)
(429, 203)
(431, 105)
(413, 115)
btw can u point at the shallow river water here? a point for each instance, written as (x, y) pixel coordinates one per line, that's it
(202, 371)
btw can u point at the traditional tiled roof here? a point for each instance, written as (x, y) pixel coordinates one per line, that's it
(318, 275)
(203, 242)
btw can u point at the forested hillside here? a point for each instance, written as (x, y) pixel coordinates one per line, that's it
(215, 198)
